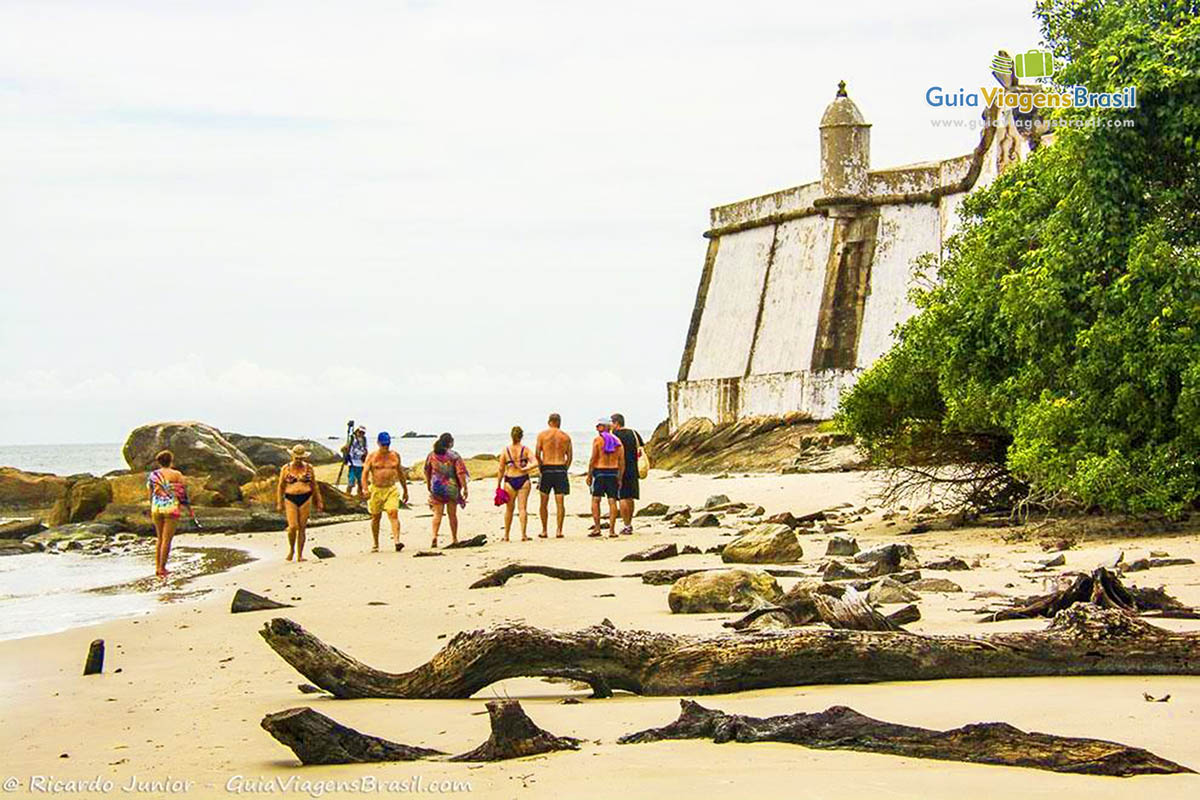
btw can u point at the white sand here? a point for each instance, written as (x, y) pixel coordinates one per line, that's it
(195, 680)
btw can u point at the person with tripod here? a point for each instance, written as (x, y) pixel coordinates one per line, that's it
(356, 456)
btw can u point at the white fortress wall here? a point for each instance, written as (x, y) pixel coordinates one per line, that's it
(731, 307)
(792, 301)
(816, 393)
(905, 233)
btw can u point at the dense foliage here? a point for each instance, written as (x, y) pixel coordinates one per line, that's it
(1062, 334)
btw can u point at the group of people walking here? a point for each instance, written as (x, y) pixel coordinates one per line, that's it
(615, 465)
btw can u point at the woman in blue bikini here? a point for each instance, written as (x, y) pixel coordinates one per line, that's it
(516, 462)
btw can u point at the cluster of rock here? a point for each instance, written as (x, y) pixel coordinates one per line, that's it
(231, 480)
(791, 443)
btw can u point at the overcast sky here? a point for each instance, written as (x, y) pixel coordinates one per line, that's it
(426, 215)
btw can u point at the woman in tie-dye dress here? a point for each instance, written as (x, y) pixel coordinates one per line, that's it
(446, 479)
(167, 494)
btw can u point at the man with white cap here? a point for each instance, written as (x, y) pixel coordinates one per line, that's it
(604, 474)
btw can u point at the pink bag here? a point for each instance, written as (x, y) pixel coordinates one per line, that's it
(501, 496)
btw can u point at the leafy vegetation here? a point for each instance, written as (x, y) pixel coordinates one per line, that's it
(1058, 351)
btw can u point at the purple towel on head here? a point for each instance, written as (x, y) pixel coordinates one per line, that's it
(611, 442)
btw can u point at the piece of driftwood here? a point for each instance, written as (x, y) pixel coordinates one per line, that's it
(474, 541)
(656, 553)
(851, 612)
(94, 663)
(515, 736)
(1082, 640)
(842, 728)
(317, 739)
(1101, 588)
(244, 601)
(501, 576)
(803, 614)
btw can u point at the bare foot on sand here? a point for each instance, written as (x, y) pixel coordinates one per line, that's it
(290, 556)
(595, 534)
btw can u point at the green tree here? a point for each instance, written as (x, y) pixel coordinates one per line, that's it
(1058, 351)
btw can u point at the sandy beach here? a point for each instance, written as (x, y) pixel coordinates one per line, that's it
(185, 687)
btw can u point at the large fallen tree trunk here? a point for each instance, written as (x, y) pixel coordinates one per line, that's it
(1082, 640)
(841, 728)
(1101, 588)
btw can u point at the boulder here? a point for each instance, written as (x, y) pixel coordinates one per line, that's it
(26, 490)
(272, 451)
(20, 528)
(674, 511)
(238, 520)
(77, 534)
(888, 558)
(835, 570)
(338, 502)
(226, 489)
(722, 590)
(128, 518)
(129, 489)
(198, 448)
(652, 510)
(85, 498)
(934, 585)
(890, 591)
(13, 547)
(323, 552)
(706, 521)
(841, 546)
(766, 543)
(716, 500)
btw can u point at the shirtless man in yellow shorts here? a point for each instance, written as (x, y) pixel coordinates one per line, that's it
(381, 470)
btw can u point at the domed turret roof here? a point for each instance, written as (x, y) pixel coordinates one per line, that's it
(842, 111)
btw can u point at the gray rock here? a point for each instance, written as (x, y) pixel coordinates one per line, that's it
(198, 448)
(934, 585)
(954, 563)
(655, 553)
(716, 500)
(766, 543)
(722, 590)
(706, 521)
(889, 591)
(271, 451)
(841, 546)
(73, 536)
(20, 528)
(652, 510)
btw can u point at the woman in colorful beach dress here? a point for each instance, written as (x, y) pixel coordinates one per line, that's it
(297, 493)
(446, 479)
(167, 494)
(516, 462)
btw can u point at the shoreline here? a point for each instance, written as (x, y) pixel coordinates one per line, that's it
(195, 680)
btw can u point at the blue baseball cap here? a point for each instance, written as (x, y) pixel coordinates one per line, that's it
(384, 438)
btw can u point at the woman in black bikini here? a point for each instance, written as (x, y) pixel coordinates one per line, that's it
(516, 462)
(298, 492)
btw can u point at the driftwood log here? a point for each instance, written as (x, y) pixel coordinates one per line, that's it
(317, 739)
(244, 601)
(514, 736)
(501, 576)
(846, 614)
(94, 663)
(474, 541)
(1101, 588)
(841, 728)
(1082, 640)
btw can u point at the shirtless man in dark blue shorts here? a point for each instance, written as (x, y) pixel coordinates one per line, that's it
(553, 454)
(605, 474)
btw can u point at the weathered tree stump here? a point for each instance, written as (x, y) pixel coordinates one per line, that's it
(514, 736)
(317, 739)
(1082, 640)
(842, 728)
(851, 612)
(1100, 588)
(474, 541)
(244, 601)
(501, 576)
(94, 663)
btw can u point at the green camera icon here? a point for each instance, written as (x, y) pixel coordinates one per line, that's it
(1034, 64)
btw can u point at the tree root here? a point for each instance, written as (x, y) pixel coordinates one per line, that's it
(501, 576)
(1101, 588)
(842, 728)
